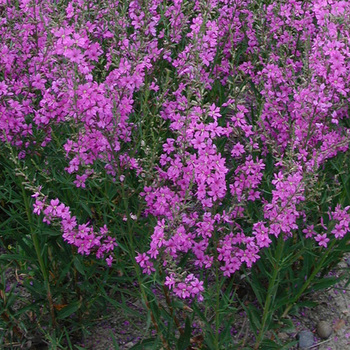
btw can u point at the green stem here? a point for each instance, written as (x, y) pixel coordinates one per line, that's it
(217, 314)
(137, 268)
(272, 290)
(310, 279)
(217, 289)
(36, 243)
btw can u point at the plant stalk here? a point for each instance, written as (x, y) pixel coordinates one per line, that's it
(137, 270)
(310, 279)
(43, 269)
(272, 290)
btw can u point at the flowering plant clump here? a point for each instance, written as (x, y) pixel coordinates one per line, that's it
(297, 125)
(215, 121)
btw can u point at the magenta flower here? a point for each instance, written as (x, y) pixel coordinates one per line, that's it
(309, 231)
(322, 240)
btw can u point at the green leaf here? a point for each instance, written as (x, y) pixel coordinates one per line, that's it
(199, 313)
(148, 344)
(68, 339)
(51, 232)
(115, 344)
(185, 338)
(289, 345)
(16, 257)
(268, 344)
(68, 310)
(324, 283)
(87, 209)
(288, 325)
(209, 341)
(254, 316)
(78, 265)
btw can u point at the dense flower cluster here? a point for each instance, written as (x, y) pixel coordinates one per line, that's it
(235, 91)
(83, 237)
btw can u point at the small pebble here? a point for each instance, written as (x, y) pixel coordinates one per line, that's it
(306, 339)
(324, 330)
